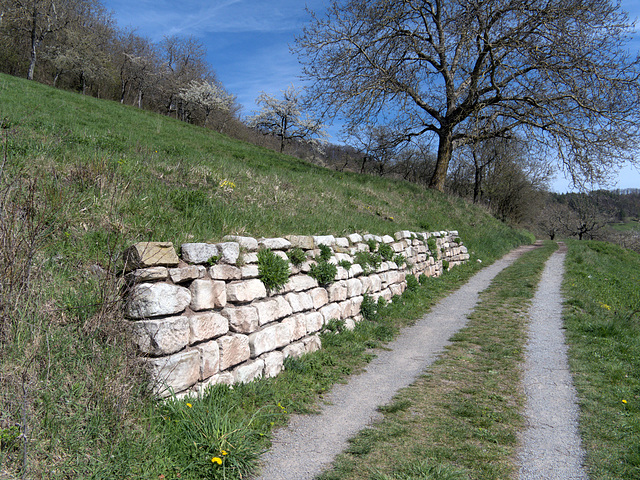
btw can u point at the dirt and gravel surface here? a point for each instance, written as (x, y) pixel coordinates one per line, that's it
(309, 443)
(550, 444)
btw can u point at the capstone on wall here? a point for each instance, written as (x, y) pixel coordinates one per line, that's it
(198, 324)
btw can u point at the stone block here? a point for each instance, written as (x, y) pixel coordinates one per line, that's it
(354, 287)
(228, 252)
(297, 324)
(314, 321)
(205, 326)
(155, 299)
(328, 240)
(198, 252)
(273, 363)
(184, 274)
(234, 349)
(299, 283)
(176, 372)
(150, 274)
(161, 337)
(207, 294)
(250, 257)
(209, 359)
(263, 341)
(248, 372)
(337, 291)
(312, 343)
(295, 350)
(342, 242)
(150, 254)
(319, 297)
(387, 239)
(356, 270)
(243, 319)
(224, 378)
(274, 243)
(283, 334)
(355, 238)
(272, 309)
(299, 301)
(246, 291)
(223, 271)
(249, 244)
(330, 312)
(249, 271)
(304, 242)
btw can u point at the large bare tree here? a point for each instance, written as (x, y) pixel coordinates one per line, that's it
(558, 71)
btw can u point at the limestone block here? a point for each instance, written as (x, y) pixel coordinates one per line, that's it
(387, 239)
(356, 270)
(274, 243)
(209, 359)
(246, 290)
(224, 378)
(402, 234)
(341, 273)
(330, 312)
(273, 363)
(150, 254)
(342, 242)
(249, 244)
(463, 249)
(312, 343)
(176, 372)
(283, 334)
(314, 321)
(398, 247)
(272, 309)
(328, 240)
(299, 301)
(301, 241)
(234, 349)
(223, 271)
(355, 238)
(337, 291)
(228, 252)
(368, 237)
(242, 319)
(397, 289)
(249, 271)
(295, 350)
(248, 372)
(207, 294)
(205, 326)
(281, 254)
(263, 341)
(184, 274)
(155, 299)
(147, 275)
(319, 297)
(297, 324)
(362, 247)
(250, 257)
(198, 252)
(299, 283)
(349, 324)
(354, 287)
(161, 337)
(376, 283)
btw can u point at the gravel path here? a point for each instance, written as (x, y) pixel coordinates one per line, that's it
(309, 443)
(551, 444)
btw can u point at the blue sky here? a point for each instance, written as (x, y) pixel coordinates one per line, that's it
(248, 44)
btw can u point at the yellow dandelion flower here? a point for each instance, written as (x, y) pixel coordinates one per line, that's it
(224, 452)
(189, 405)
(624, 401)
(217, 460)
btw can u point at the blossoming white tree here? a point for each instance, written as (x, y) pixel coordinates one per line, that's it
(207, 95)
(284, 117)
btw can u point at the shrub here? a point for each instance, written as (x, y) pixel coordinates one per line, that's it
(368, 261)
(386, 251)
(325, 253)
(272, 270)
(296, 256)
(323, 272)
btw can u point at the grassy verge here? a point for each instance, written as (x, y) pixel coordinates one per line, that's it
(81, 179)
(460, 420)
(602, 317)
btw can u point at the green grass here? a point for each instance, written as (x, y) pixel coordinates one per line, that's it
(602, 317)
(460, 419)
(85, 178)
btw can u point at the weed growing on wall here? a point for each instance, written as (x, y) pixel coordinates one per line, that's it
(296, 256)
(272, 270)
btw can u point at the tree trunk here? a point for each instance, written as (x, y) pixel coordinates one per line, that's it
(477, 184)
(445, 148)
(34, 43)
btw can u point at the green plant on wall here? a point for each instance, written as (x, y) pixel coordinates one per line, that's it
(296, 256)
(433, 246)
(386, 251)
(272, 270)
(323, 272)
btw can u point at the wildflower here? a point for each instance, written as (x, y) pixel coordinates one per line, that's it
(624, 401)
(189, 405)
(224, 452)
(604, 305)
(217, 460)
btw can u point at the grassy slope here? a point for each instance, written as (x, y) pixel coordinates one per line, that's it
(104, 176)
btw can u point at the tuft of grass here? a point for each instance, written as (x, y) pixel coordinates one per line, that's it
(602, 320)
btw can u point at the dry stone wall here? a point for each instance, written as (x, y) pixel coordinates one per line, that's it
(198, 324)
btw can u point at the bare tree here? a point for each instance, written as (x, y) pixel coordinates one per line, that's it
(284, 117)
(555, 70)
